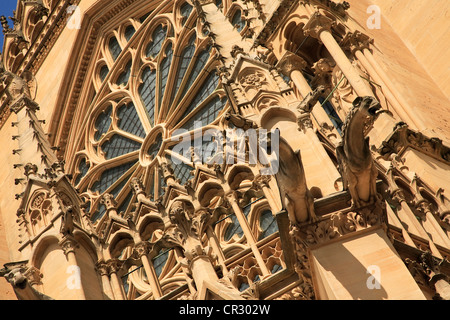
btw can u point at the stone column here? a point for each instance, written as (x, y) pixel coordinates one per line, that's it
(359, 46)
(114, 266)
(312, 151)
(291, 65)
(319, 27)
(215, 244)
(102, 269)
(68, 245)
(406, 215)
(251, 241)
(185, 232)
(142, 250)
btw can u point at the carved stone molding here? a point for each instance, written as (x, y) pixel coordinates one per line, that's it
(340, 7)
(102, 268)
(136, 186)
(114, 265)
(426, 270)
(323, 73)
(304, 122)
(304, 291)
(34, 275)
(402, 138)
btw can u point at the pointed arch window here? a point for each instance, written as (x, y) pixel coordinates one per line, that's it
(237, 20)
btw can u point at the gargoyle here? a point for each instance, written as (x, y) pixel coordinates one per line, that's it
(295, 195)
(14, 274)
(355, 159)
(240, 122)
(311, 99)
(67, 225)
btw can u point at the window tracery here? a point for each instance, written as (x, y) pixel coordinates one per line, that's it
(161, 80)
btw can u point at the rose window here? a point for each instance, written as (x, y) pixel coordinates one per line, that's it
(155, 76)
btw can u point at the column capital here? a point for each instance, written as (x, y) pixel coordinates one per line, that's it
(114, 265)
(34, 275)
(291, 62)
(68, 244)
(304, 122)
(316, 24)
(102, 268)
(356, 41)
(142, 248)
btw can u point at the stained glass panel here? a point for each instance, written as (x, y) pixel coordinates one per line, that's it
(206, 114)
(104, 70)
(83, 168)
(208, 87)
(129, 32)
(237, 21)
(114, 48)
(267, 223)
(147, 92)
(129, 120)
(158, 37)
(103, 123)
(164, 71)
(185, 59)
(109, 176)
(199, 65)
(181, 170)
(185, 10)
(122, 80)
(119, 145)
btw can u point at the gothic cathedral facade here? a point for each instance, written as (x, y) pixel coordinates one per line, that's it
(221, 149)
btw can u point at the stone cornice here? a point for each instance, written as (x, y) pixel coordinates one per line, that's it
(403, 138)
(283, 10)
(274, 21)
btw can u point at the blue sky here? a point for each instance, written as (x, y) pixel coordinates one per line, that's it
(6, 9)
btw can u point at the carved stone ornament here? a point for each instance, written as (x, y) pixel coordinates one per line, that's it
(403, 137)
(304, 122)
(354, 41)
(108, 201)
(426, 271)
(304, 291)
(142, 248)
(317, 24)
(202, 2)
(311, 100)
(330, 227)
(295, 195)
(68, 245)
(136, 186)
(253, 81)
(21, 279)
(356, 163)
(290, 62)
